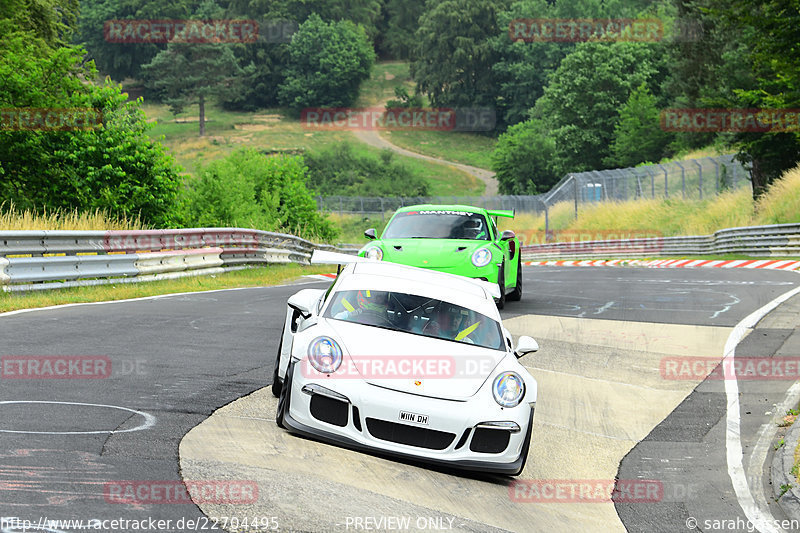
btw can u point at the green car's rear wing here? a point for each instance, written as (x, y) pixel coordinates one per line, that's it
(501, 213)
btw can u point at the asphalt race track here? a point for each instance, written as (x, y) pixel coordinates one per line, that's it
(159, 367)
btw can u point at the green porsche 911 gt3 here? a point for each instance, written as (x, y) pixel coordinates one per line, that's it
(458, 239)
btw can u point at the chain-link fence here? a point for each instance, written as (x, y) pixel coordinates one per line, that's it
(691, 178)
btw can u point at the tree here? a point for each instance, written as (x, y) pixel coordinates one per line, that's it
(581, 102)
(769, 31)
(523, 159)
(328, 62)
(124, 60)
(113, 166)
(185, 74)
(454, 57)
(51, 21)
(522, 68)
(401, 21)
(638, 136)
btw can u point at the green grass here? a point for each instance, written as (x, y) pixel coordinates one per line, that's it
(352, 226)
(384, 78)
(251, 277)
(467, 148)
(273, 130)
(442, 179)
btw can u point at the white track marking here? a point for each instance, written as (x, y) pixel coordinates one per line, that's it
(756, 511)
(149, 420)
(155, 297)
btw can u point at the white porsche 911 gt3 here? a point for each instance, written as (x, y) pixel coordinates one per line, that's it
(407, 362)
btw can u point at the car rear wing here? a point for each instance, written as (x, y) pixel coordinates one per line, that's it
(321, 257)
(508, 213)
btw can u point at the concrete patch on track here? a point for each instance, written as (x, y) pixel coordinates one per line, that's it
(601, 392)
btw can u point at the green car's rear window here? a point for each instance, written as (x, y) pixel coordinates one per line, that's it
(437, 224)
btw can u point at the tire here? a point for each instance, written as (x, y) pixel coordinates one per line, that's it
(501, 282)
(516, 294)
(283, 401)
(276, 381)
(525, 447)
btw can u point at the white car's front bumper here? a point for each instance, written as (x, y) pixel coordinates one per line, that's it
(356, 414)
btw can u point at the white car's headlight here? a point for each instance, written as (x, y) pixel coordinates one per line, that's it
(325, 355)
(508, 389)
(481, 257)
(375, 253)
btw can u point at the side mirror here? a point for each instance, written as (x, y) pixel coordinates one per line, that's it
(370, 234)
(507, 235)
(305, 302)
(526, 345)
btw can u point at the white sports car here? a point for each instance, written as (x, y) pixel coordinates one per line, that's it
(407, 362)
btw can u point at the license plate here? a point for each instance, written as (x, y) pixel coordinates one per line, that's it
(415, 418)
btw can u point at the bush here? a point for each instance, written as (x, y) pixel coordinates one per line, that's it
(113, 167)
(327, 64)
(251, 190)
(523, 159)
(340, 171)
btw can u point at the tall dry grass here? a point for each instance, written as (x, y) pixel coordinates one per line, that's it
(673, 216)
(12, 219)
(781, 203)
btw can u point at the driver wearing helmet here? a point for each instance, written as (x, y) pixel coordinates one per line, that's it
(448, 322)
(367, 303)
(444, 322)
(472, 229)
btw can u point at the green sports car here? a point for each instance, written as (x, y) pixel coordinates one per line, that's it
(458, 239)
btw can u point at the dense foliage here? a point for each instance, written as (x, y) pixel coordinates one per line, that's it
(339, 171)
(107, 163)
(560, 106)
(251, 190)
(327, 64)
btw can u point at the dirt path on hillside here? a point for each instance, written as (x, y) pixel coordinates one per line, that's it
(372, 138)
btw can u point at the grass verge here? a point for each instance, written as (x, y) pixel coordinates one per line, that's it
(251, 277)
(12, 219)
(467, 148)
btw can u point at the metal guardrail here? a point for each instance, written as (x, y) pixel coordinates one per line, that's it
(31, 260)
(757, 241)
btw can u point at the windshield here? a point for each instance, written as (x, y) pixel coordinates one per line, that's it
(417, 315)
(437, 224)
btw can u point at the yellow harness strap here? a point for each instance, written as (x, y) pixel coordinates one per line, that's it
(467, 331)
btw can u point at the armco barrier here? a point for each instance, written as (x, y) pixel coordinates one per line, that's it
(778, 240)
(32, 260)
